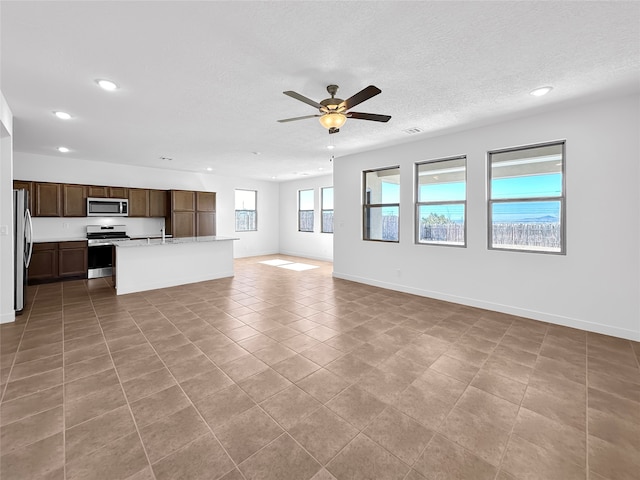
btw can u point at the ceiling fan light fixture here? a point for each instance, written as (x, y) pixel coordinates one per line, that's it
(332, 120)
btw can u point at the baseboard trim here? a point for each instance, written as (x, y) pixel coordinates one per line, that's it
(497, 307)
(8, 317)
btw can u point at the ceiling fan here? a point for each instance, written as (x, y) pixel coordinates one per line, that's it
(333, 111)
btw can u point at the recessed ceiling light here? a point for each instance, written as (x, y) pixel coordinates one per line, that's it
(273, 178)
(331, 147)
(209, 169)
(63, 149)
(257, 153)
(538, 92)
(107, 85)
(62, 115)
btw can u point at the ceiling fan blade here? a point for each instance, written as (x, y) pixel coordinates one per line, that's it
(369, 116)
(297, 118)
(302, 98)
(361, 96)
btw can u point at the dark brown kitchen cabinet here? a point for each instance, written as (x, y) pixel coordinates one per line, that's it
(138, 202)
(44, 263)
(183, 224)
(74, 200)
(183, 201)
(107, 192)
(72, 259)
(28, 186)
(205, 224)
(52, 261)
(98, 192)
(157, 203)
(118, 192)
(205, 214)
(205, 201)
(47, 199)
(192, 214)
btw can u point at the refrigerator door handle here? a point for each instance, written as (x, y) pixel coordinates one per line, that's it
(28, 237)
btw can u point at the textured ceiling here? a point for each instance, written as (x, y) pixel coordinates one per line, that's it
(202, 82)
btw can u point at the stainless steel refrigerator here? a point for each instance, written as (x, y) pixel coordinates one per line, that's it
(23, 246)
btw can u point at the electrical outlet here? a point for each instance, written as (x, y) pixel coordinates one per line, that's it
(65, 225)
(4, 230)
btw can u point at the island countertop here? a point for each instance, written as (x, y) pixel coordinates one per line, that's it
(177, 261)
(146, 242)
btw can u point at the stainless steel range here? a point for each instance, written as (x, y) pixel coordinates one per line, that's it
(100, 240)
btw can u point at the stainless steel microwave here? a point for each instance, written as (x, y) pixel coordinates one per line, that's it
(107, 207)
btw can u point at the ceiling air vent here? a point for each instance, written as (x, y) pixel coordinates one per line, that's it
(412, 131)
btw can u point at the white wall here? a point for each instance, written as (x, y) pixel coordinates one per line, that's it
(7, 313)
(314, 244)
(595, 286)
(56, 169)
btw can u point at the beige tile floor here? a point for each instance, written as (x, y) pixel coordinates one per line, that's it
(277, 375)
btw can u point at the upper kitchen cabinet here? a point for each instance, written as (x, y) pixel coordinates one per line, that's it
(205, 224)
(98, 192)
(74, 200)
(192, 213)
(118, 192)
(108, 192)
(47, 199)
(157, 203)
(181, 222)
(28, 186)
(206, 201)
(183, 201)
(205, 214)
(138, 202)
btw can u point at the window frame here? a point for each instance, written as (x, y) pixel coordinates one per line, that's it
(418, 203)
(322, 210)
(313, 211)
(561, 198)
(366, 205)
(255, 194)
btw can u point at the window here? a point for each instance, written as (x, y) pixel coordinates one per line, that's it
(381, 201)
(526, 199)
(246, 213)
(327, 210)
(441, 193)
(305, 210)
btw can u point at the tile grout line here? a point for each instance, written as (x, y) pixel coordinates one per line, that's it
(6, 385)
(13, 363)
(183, 392)
(122, 389)
(437, 429)
(586, 394)
(524, 394)
(64, 397)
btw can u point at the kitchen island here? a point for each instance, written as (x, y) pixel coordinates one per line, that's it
(149, 264)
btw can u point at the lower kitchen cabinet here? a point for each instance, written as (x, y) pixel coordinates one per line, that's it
(44, 263)
(72, 259)
(53, 261)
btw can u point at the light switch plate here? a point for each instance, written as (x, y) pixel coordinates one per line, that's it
(4, 230)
